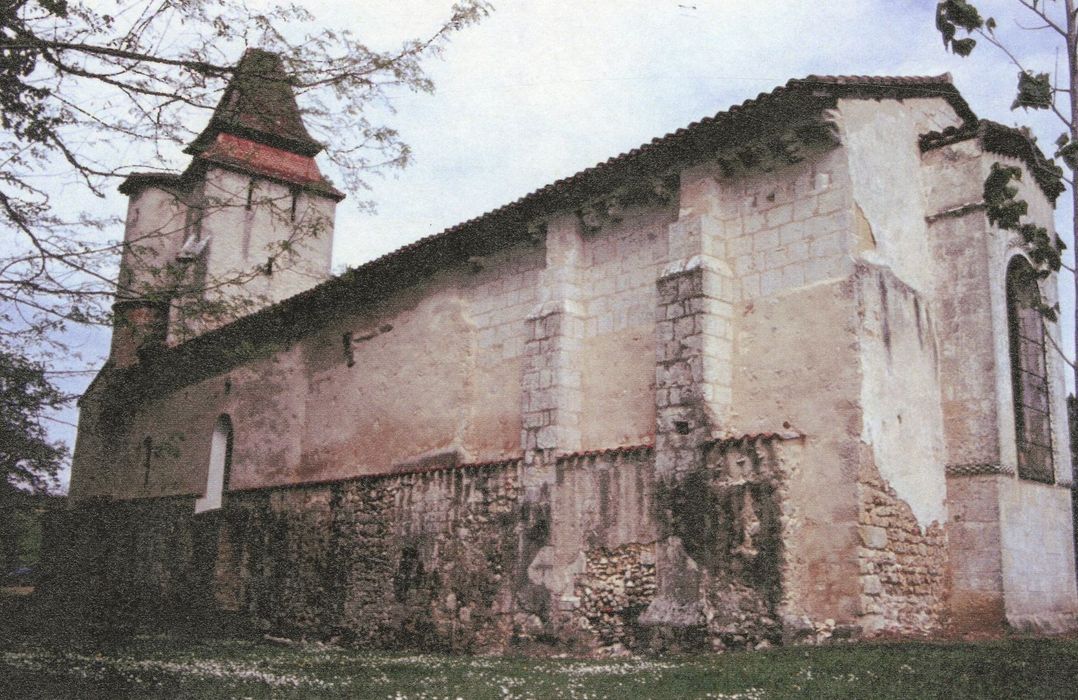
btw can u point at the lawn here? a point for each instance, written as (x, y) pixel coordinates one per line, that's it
(162, 667)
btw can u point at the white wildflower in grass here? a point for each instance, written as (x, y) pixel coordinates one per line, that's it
(747, 694)
(212, 669)
(623, 668)
(98, 666)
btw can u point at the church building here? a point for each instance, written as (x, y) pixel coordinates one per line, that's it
(773, 377)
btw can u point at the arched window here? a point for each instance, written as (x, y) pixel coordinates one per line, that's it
(1029, 377)
(220, 465)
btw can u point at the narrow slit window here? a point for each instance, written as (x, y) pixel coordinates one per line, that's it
(147, 455)
(295, 204)
(250, 194)
(349, 350)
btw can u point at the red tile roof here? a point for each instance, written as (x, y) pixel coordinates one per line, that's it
(269, 161)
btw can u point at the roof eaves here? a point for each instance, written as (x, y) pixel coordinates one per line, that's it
(366, 282)
(322, 186)
(1005, 141)
(133, 182)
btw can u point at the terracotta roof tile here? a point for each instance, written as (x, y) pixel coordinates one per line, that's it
(643, 449)
(419, 471)
(256, 128)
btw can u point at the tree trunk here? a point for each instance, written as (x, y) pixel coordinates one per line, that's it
(1072, 85)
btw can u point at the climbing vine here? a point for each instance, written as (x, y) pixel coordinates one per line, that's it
(1005, 210)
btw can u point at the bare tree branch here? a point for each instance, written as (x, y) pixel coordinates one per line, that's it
(1048, 21)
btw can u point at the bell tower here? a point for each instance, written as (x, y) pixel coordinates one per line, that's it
(247, 224)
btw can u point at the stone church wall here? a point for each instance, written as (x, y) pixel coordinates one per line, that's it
(903, 564)
(430, 375)
(617, 358)
(460, 559)
(709, 409)
(1037, 556)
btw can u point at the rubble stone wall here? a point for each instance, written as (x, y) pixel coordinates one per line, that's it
(903, 564)
(458, 559)
(616, 587)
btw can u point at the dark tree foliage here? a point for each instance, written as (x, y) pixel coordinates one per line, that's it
(952, 14)
(28, 459)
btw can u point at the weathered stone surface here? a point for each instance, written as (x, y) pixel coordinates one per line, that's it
(458, 559)
(721, 540)
(802, 345)
(616, 587)
(902, 563)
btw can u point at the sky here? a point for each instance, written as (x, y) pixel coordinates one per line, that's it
(542, 89)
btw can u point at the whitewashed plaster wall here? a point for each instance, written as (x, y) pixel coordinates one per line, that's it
(900, 393)
(1037, 556)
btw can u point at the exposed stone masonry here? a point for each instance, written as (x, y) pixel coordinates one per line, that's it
(692, 345)
(617, 585)
(551, 384)
(441, 559)
(759, 271)
(902, 563)
(721, 531)
(418, 561)
(551, 380)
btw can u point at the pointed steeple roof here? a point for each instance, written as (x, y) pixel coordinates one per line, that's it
(259, 105)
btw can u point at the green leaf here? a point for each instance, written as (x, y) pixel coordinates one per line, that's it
(990, 24)
(952, 14)
(947, 30)
(1034, 91)
(1063, 139)
(1002, 208)
(963, 47)
(1069, 155)
(963, 14)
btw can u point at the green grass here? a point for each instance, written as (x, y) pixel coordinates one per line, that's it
(172, 668)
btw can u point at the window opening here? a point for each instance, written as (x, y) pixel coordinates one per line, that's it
(220, 466)
(1029, 376)
(147, 454)
(349, 351)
